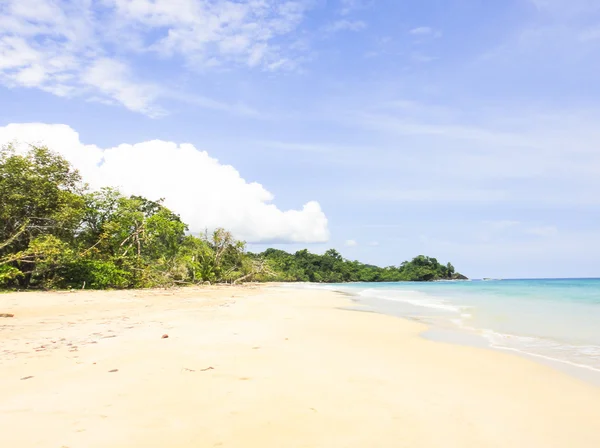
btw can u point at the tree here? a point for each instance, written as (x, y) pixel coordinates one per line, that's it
(228, 255)
(136, 235)
(331, 267)
(54, 232)
(40, 196)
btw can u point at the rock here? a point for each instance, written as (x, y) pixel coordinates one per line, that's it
(458, 276)
(26, 377)
(165, 336)
(7, 315)
(113, 370)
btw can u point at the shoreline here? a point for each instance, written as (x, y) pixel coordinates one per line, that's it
(265, 366)
(461, 337)
(472, 337)
(580, 372)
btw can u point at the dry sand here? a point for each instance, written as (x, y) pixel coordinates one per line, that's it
(264, 367)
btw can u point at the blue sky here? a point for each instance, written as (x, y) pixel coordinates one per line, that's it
(461, 129)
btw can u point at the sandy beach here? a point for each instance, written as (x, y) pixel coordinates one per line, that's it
(261, 366)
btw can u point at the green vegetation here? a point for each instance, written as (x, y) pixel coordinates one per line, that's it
(55, 233)
(332, 268)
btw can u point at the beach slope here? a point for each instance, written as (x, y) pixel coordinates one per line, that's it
(264, 367)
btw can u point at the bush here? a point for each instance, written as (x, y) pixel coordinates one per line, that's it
(95, 274)
(8, 275)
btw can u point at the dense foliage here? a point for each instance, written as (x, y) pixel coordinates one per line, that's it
(54, 232)
(332, 268)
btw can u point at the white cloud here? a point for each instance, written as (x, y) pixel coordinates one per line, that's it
(557, 147)
(346, 25)
(573, 254)
(489, 231)
(296, 147)
(204, 192)
(53, 46)
(113, 80)
(590, 34)
(226, 31)
(68, 48)
(566, 8)
(374, 243)
(559, 30)
(543, 231)
(508, 230)
(421, 30)
(437, 194)
(422, 58)
(501, 225)
(350, 6)
(351, 243)
(425, 31)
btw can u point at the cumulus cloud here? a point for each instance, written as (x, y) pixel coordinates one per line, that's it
(205, 192)
(351, 243)
(67, 48)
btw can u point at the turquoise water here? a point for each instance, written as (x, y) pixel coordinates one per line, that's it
(555, 319)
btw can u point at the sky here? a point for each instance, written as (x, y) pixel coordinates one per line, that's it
(467, 130)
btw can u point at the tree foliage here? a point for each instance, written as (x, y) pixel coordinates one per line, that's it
(332, 268)
(54, 232)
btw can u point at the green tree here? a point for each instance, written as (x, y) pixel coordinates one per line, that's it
(40, 197)
(56, 233)
(135, 235)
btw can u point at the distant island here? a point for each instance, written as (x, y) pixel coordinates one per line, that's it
(56, 233)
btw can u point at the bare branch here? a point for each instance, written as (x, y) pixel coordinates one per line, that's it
(15, 236)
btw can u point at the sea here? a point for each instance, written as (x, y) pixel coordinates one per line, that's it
(553, 320)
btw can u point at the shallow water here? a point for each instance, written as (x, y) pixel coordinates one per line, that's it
(551, 319)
